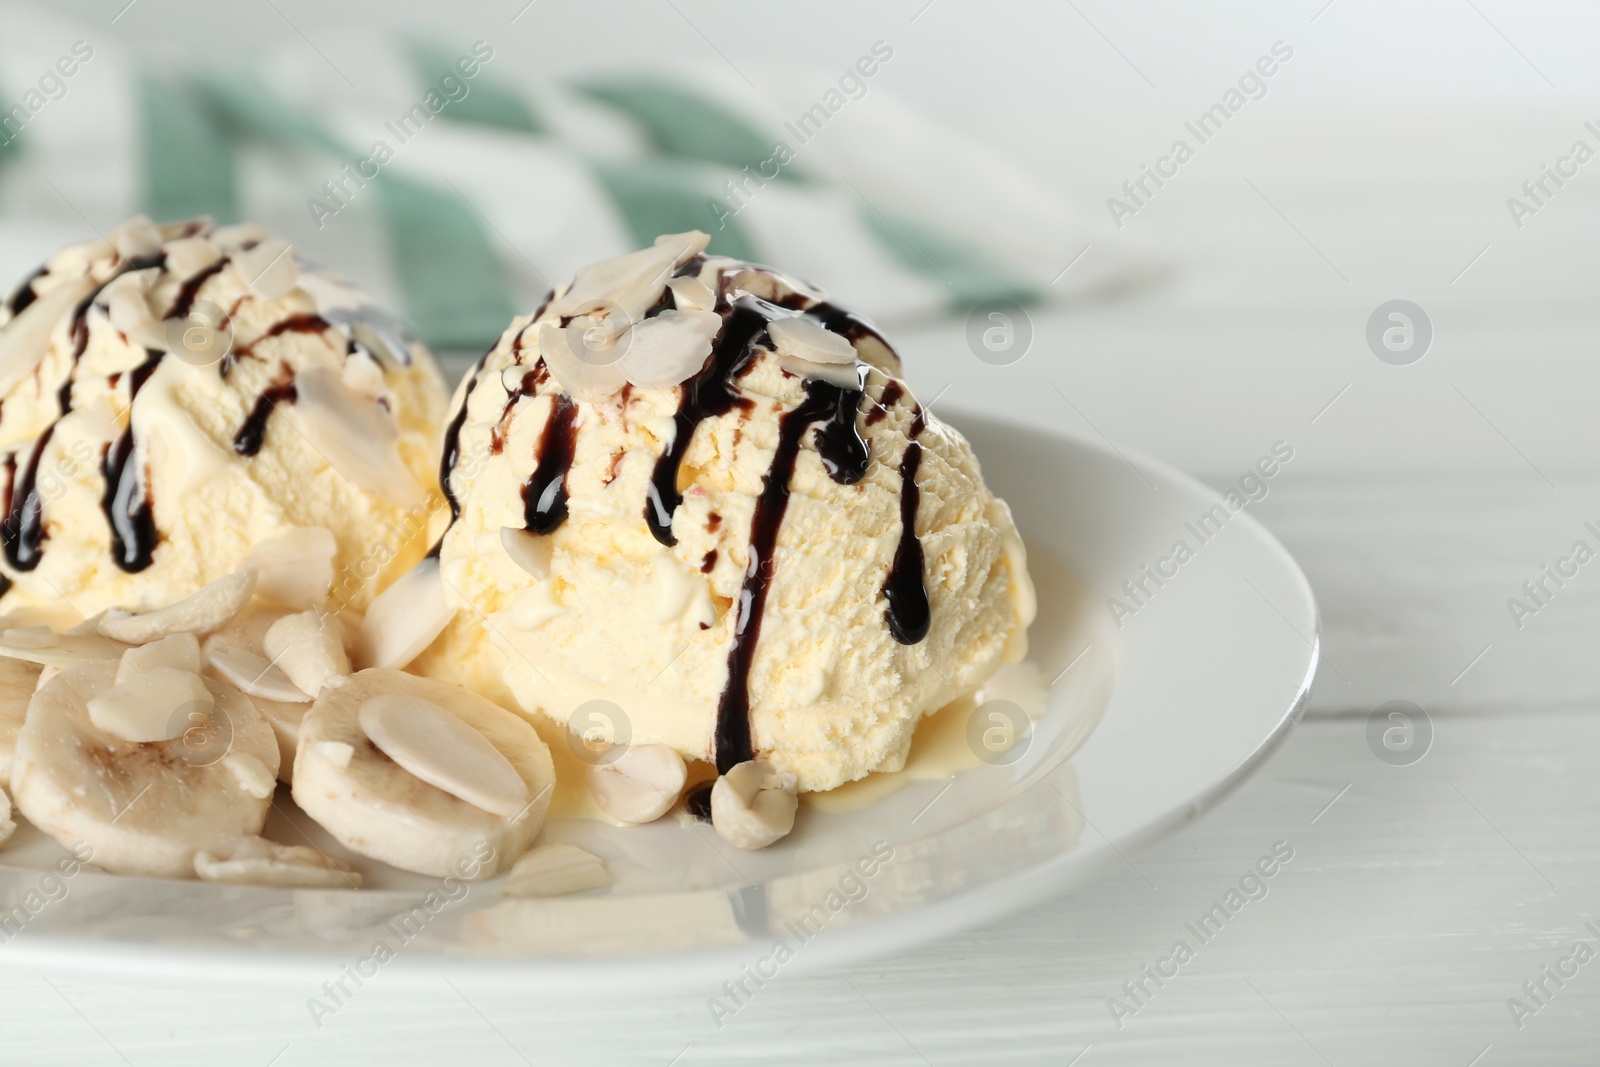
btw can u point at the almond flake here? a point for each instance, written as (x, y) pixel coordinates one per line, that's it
(806, 339)
(157, 705)
(354, 434)
(255, 675)
(439, 748)
(669, 348)
(199, 614)
(405, 618)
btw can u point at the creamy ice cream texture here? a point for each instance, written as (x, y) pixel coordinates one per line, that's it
(693, 489)
(178, 401)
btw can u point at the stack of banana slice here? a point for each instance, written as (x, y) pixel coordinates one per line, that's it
(158, 740)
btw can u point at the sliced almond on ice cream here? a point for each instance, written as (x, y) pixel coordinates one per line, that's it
(591, 376)
(354, 434)
(255, 675)
(308, 646)
(844, 375)
(294, 568)
(753, 805)
(179, 651)
(268, 267)
(530, 551)
(199, 614)
(692, 294)
(810, 340)
(632, 282)
(257, 861)
(128, 308)
(669, 349)
(437, 747)
(405, 618)
(156, 705)
(135, 238)
(639, 786)
(555, 870)
(25, 340)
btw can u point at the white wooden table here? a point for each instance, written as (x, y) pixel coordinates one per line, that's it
(1420, 899)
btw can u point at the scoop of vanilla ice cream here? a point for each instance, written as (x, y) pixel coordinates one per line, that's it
(178, 401)
(724, 560)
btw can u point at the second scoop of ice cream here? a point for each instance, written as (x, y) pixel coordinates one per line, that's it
(695, 491)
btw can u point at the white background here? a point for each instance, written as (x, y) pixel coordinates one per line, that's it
(1376, 167)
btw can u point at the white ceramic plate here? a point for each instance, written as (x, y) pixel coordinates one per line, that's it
(1147, 723)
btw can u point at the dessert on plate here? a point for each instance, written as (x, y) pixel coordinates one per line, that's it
(692, 546)
(694, 489)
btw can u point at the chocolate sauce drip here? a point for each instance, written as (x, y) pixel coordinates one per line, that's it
(528, 386)
(23, 530)
(908, 613)
(708, 394)
(698, 802)
(452, 447)
(22, 297)
(845, 323)
(839, 444)
(733, 741)
(253, 434)
(125, 503)
(892, 392)
(544, 494)
(307, 323)
(667, 302)
(191, 289)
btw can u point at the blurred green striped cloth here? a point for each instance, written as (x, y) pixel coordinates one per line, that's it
(452, 181)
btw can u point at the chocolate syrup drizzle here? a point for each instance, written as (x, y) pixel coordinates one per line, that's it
(305, 323)
(253, 434)
(24, 295)
(451, 453)
(698, 802)
(22, 533)
(707, 395)
(125, 502)
(908, 613)
(836, 409)
(190, 290)
(544, 494)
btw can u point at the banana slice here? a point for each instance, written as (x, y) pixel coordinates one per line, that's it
(144, 808)
(374, 806)
(18, 680)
